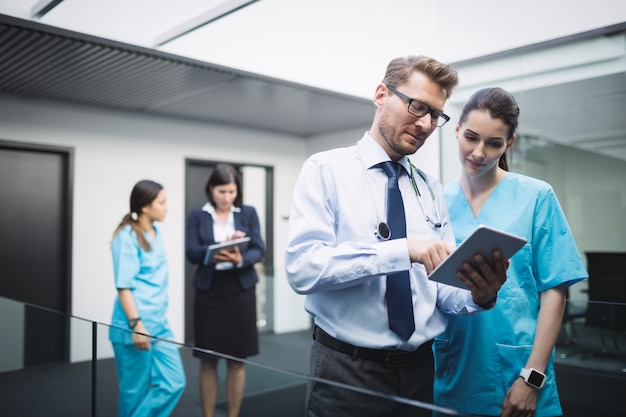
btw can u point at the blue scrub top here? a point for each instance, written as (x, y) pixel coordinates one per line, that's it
(479, 357)
(146, 274)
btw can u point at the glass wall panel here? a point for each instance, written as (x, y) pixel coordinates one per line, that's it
(277, 378)
(572, 134)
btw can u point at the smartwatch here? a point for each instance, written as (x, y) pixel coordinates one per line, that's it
(132, 323)
(533, 377)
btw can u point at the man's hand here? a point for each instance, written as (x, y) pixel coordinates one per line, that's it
(429, 253)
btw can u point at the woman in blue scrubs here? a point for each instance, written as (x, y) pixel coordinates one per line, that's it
(500, 362)
(150, 371)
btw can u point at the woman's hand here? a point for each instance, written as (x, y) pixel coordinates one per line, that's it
(520, 400)
(231, 255)
(484, 281)
(226, 255)
(237, 235)
(141, 341)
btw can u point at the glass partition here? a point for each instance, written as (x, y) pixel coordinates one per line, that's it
(593, 335)
(593, 340)
(32, 381)
(571, 135)
(276, 379)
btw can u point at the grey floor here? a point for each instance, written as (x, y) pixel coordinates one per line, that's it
(275, 380)
(591, 372)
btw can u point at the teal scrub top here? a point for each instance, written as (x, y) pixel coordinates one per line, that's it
(146, 274)
(479, 357)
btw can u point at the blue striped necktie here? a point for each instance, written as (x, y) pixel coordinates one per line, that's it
(398, 295)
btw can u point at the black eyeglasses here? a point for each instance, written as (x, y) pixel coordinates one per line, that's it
(421, 109)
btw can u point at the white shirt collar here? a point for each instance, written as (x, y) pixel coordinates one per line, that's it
(208, 207)
(372, 154)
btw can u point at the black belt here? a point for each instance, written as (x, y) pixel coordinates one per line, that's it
(391, 358)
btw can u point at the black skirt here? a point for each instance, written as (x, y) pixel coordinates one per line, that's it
(225, 318)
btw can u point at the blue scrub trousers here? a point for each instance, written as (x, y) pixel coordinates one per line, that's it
(151, 381)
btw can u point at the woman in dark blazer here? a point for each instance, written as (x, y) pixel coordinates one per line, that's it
(225, 299)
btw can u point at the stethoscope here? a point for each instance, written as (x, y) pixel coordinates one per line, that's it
(382, 230)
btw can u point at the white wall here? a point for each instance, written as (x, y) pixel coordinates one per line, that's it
(591, 191)
(113, 151)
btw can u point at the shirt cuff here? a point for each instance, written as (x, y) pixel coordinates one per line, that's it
(393, 256)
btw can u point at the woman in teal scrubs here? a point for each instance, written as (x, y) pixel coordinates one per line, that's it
(479, 358)
(150, 371)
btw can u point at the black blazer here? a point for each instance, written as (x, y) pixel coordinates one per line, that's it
(200, 235)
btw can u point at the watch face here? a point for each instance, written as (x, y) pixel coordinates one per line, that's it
(535, 378)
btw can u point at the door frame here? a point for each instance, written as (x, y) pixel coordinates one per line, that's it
(268, 260)
(67, 155)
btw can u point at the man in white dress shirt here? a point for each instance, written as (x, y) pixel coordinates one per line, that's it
(340, 252)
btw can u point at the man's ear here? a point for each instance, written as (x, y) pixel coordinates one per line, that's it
(379, 95)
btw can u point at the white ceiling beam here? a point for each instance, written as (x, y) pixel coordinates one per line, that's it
(41, 8)
(225, 8)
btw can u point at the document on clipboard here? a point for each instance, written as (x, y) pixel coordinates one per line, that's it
(214, 249)
(485, 240)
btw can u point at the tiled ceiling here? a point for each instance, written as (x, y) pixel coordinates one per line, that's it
(43, 62)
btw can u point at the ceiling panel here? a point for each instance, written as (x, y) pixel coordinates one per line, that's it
(136, 22)
(43, 62)
(53, 63)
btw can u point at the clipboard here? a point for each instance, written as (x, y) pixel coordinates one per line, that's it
(485, 240)
(212, 250)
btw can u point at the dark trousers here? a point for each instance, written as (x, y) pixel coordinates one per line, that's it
(414, 381)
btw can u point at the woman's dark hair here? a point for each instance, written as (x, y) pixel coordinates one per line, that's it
(224, 174)
(501, 105)
(142, 195)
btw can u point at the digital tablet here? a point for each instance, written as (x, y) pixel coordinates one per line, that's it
(214, 249)
(483, 240)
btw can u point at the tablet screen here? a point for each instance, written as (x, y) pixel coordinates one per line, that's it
(485, 240)
(212, 250)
